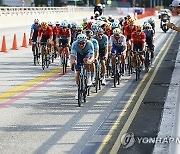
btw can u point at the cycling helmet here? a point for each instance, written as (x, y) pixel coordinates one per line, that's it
(57, 23)
(131, 21)
(64, 24)
(116, 31)
(147, 25)
(79, 27)
(99, 30)
(128, 16)
(44, 25)
(114, 24)
(109, 16)
(73, 24)
(176, 3)
(139, 28)
(85, 20)
(150, 20)
(50, 23)
(36, 20)
(89, 33)
(81, 38)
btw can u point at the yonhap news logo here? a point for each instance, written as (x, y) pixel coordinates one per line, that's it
(129, 139)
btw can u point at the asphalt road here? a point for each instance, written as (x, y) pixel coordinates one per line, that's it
(40, 115)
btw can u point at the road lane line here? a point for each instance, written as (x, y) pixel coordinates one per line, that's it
(29, 84)
(136, 107)
(31, 90)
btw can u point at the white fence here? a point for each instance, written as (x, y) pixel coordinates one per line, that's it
(10, 11)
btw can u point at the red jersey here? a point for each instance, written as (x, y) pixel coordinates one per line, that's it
(125, 23)
(47, 32)
(128, 30)
(64, 32)
(138, 39)
(55, 30)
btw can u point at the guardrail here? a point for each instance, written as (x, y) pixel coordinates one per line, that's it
(11, 11)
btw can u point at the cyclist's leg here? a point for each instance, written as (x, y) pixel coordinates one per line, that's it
(113, 58)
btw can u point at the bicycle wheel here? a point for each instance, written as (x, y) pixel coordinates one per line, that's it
(138, 70)
(147, 61)
(43, 60)
(80, 93)
(97, 80)
(64, 64)
(129, 65)
(115, 75)
(47, 60)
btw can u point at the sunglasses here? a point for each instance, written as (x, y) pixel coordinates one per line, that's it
(36, 23)
(82, 43)
(100, 34)
(138, 30)
(147, 27)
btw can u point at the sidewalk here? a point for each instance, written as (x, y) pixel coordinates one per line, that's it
(170, 124)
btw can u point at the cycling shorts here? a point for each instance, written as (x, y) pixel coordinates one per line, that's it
(44, 39)
(117, 50)
(63, 42)
(138, 47)
(80, 60)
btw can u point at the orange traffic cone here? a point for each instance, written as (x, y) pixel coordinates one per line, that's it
(3, 48)
(24, 43)
(14, 46)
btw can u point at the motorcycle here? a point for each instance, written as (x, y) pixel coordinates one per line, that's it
(164, 21)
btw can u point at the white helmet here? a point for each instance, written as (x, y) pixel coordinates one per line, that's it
(85, 20)
(81, 37)
(79, 27)
(36, 20)
(50, 23)
(109, 16)
(57, 23)
(116, 31)
(150, 20)
(148, 25)
(176, 3)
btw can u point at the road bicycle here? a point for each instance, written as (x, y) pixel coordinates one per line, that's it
(82, 85)
(98, 79)
(148, 59)
(36, 53)
(45, 55)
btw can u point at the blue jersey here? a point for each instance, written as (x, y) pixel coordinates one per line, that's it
(149, 34)
(103, 42)
(34, 29)
(95, 44)
(88, 50)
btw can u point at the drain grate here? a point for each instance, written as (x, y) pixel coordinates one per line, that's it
(162, 84)
(154, 103)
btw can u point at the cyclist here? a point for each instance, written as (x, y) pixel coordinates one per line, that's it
(118, 47)
(34, 34)
(103, 50)
(110, 19)
(152, 22)
(89, 35)
(64, 40)
(149, 38)
(45, 34)
(82, 51)
(84, 23)
(138, 39)
(73, 31)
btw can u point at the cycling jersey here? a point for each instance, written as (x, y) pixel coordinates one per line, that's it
(55, 30)
(46, 33)
(80, 54)
(149, 38)
(128, 30)
(138, 39)
(34, 30)
(103, 42)
(117, 44)
(95, 44)
(66, 32)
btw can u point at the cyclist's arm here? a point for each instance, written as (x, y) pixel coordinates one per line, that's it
(73, 53)
(31, 33)
(106, 47)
